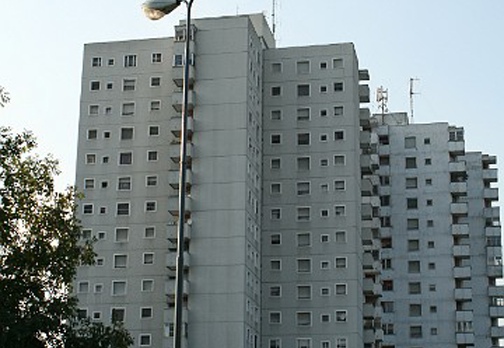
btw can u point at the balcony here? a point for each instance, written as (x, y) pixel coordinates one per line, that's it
(364, 94)
(366, 187)
(460, 229)
(461, 250)
(177, 100)
(494, 271)
(170, 291)
(174, 152)
(366, 211)
(491, 194)
(175, 125)
(493, 231)
(497, 331)
(173, 179)
(363, 75)
(492, 212)
(459, 208)
(464, 338)
(463, 294)
(173, 207)
(458, 187)
(364, 116)
(456, 147)
(497, 311)
(171, 261)
(365, 139)
(462, 272)
(369, 163)
(490, 175)
(371, 288)
(457, 166)
(369, 264)
(464, 316)
(172, 233)
(497, 291)
(178, 75)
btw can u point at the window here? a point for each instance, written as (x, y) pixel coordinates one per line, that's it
(156, 57)
(303, 90)
(303, 292)
(325, 291)
(92, 134)
(432, 265)
(303, 163)
(124, 183)
(155, 81)
(275, 317)
(413, 266)
(410, 142)
(87, 209)
(303, 343)
(386, 243)
(303, 265)
(388, 328)
(276, 67)
(323, 138)
(433, 309)
(338, 111)
(340, 236)
(147, 285)
(339, 210)
(110, 85)
(324, 238)
(152, 156)
(96, 61)
(106, 135)
(338, 86)
(276, 115)
(105, 159)
(385, 180)
(89, 184)
(276, 214)
(148, 258)
(339, 160)
(127, 133)
(111, 62)
(276, 188)
(324, 213)
(83, 287)
(303, 67)
(303, 214)
(104, 184)
(122, 209)
(337, 63)
(100, 261)
(145, 340)
(430, 223)
(415, 288)
(129, 84)
(388, 306)
(153, 131)
(94, 85)
(303, 318)
(155, 105)
(430, 244)
(339, 135)
(303, 138)
(323, 65)
(412, 224)
(415, 331)
(150, 232)
(178, 60)
(130, 61)
(324, 162)
(325, 264)
(146, 312)
(434, 331)
(275, 163)
(118, 287)
(276, 91)
(341, 262)
(276, 138)
(410, 162)
(90, 158)
(386, 264)
(413, 245)
(276, 265)
(412, 203)
(94, 110)
(385, 200)
(323, 112)
(128, 109)
(411, 183)
(108, 110)
(118, 315)
(275, 291)
(324, 187)
(120, 261)
(86, 234)
(415, 310)
(150, 206)
(121, 234)
(428, 202)
(275, 343)
(97, 316)
(125, 158)
(341, 342)
(384, 160)
(303, 239)
(388, 285)
(341, 316)
(303, 188)
(340, 289)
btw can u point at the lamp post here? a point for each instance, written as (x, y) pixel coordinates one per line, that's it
(156, 9)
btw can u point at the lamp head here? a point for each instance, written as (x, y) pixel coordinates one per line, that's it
(156, 9)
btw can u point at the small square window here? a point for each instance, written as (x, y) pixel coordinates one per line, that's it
(325, 291)
(276, 139)
(155, 105)
(90, 158)
(153, 131)
(324, 162)
(303, 90)
(324, 238)
(427, 141)
(96, 61)
(325, 265)
(129, 84)
(276, 91)
(92, 134)
(428, 182)
(276, 265)
(428, 161)
(341, 316)
(155, 81)
(303, 138)
(87, 209)
(150, 206)
(276, 214)
(276, 115)
(341, 262)
(126, 158)
(275, 163)
(152, 156)
(323, 65)
(276, 239)
(410, 162)
(275, 291)
(338, 111)
(324, 213)
(303, 114)
(94, 85)
(339, 160)
(148, 258)
(156, 58)
(110, 86)
(145, 340)
(430, 244)
(340, 289)
(338, 86)
(146, 312)
(430, 223)
(147, 285)
(150, 232)
(275, 188)
(89, 184)
(94, 110)
(111, 62)
(323, 113)
(429, 202)
(339, 135)
(97, 316)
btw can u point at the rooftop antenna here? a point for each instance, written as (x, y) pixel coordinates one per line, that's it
(412, 94)
(382, 99)
(273, 17)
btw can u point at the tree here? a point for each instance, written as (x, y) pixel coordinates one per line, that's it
(40, 250)
(4, 96)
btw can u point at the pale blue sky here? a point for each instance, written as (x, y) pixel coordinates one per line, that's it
(455, 48)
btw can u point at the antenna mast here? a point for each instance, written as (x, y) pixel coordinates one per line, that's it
(273, 18)
(412, 94)
(382, 99)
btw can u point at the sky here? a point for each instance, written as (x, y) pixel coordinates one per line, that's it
(453, 47)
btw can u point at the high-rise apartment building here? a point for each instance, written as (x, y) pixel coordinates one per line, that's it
(286, 242)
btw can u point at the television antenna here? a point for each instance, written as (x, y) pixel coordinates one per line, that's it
(412, 93)
(273, 17)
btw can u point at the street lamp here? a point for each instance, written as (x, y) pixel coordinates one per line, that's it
(156, 9)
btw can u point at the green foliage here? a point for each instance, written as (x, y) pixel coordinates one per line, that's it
(84, 334)
(4, 96)
(40, 248)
